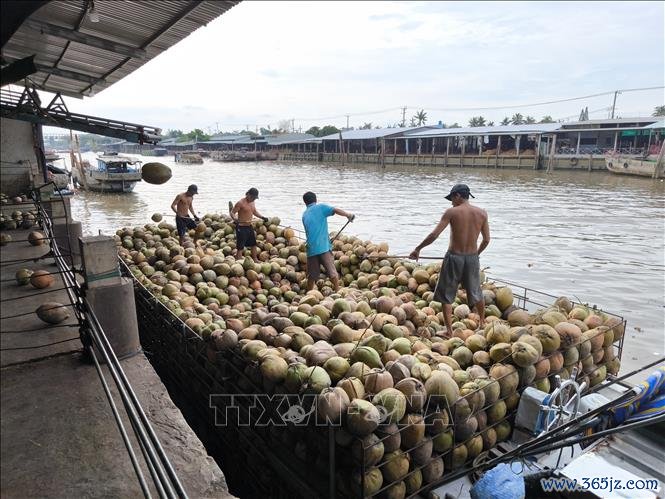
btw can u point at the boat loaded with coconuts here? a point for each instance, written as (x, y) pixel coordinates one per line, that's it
(358, 393)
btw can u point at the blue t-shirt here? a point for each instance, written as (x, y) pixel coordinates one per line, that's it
(315, 220)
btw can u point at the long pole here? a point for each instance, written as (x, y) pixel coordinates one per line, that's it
(614, 103)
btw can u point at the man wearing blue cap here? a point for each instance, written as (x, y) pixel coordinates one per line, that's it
(461, 263)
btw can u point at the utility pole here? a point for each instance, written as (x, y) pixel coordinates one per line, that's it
(293, 125)
(216, 126)
(347, 121)
(403, 116)
(616, 92)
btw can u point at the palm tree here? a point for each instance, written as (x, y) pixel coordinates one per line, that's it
(366, 126)
(477, 121)
(490, 123)
(420, 118)
(659, 111)
(529, 120)
(517, 119)
(547, 119)
(505, 121)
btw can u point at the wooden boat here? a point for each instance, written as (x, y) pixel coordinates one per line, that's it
(234, 156)
(650, 165)
(57, 172)
(112, 173)
(188, 158)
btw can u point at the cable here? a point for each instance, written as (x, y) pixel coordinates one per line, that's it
(39, 329)
(40, 346)
(32, 312)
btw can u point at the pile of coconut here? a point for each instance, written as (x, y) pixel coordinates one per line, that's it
(409, 402)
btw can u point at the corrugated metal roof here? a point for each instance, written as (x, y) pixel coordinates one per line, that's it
(658, 124)
(485, 130)
(373, 133)
(151, 26)
(290, 138)
(611, 121)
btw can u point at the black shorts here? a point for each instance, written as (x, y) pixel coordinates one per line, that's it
(182, 224)
(245, 237)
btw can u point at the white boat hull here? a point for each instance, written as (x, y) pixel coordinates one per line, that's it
(625, 165)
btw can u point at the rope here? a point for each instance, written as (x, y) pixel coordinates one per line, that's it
(40, 346)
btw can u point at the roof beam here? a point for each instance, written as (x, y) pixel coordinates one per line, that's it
(85, 39)
(70, 75)
(18, 70)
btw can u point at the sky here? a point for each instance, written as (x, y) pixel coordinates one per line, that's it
(315, 62)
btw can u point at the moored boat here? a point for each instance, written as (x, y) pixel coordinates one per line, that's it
(112, 173)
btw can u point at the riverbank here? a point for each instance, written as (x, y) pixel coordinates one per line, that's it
(55, 417)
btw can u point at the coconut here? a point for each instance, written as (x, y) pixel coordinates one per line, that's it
(477, 372)
(476, 342)
(396, 491)
(391, 404)
(316, 379)
(353, 387)
(396, 466)
(397, 371)
(552, 318)
(362, 417)
(500, 352)
(358, 370)
(464, 429)
(336, 367)
(413, 431)
(518, 317)
(390, 436)
(421, 371)
(503, 430)
(596, 337)
(497, 332)
(36, 238)
(569, 333)
(23, 276)
(527, 375)
(225, 340)
(366, 355)
(319, 353)
(408, 360)
(523, 354)
(52, 312)
(474, 395)
(571, 357)
(421, 454)
(41, 279)
(504, 298)
(533, 341)
(458, 456)
(295, 377)
(547, 336)
(377, 380)
(491, 389)
(442, 389)
(598, 375)
(413, 481)
(415, 393)
(318, 332)
(481, 358)
(155, 173)
(331, 404)
(507, 377)
(402, 345)
(543, 385)
(371, 482)
(556, 362)
(463, 356)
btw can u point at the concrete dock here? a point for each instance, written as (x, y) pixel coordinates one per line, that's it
(59, 437)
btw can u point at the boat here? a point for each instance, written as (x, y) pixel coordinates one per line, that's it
(234, 156)
(112, 173)
(160, 151)
(188, 158)
(650, 164)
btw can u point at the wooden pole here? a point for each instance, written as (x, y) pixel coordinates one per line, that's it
(550, 164)
(498, 151)
(658, 168)
(616, 138)
(536, 163)
(447, 150)
(579, 139)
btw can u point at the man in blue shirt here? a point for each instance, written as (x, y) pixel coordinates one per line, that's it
(315, 220)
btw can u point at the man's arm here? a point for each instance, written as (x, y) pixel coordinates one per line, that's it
(338, 211)
(234, 211)
(175, 203)
(257, 214)
(191, 210)
(485, 231)
(432, 236)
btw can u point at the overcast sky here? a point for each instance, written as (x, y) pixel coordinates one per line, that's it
(263, 62)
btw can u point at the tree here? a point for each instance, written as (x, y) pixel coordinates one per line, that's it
(315, 130)
(284, 126)
(198, 135)
(366, 126)
(328, 130)
(265, 131)
(659, 111)
(529, 120)
(517, 119)
(505, 121)
(173, 133)
(419, 119)
(455, 125)
(477, 121)
(546, 119)
(490, 123)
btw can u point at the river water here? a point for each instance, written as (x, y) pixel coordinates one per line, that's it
(595, 237)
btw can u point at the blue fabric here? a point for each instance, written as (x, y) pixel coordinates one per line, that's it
(315, 220)
(649, 389)
(499, 483)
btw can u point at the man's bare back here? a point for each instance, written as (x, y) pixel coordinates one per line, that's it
(183, 203)
(466, 224)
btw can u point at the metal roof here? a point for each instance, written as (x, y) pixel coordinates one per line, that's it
(290, 138)
(658, 124)
(78, 57)
(535, 128)
(372, 133)
(611, 121)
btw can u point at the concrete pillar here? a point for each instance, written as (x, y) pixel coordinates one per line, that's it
(110, 295)
(67, 236)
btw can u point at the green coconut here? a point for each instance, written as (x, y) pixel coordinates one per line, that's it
(504, 298)
(23, 276)
(366, 355)
(155, 173)
(372, 481)
(390, 436)
(316, 379)
(458, 456)
(396, 466)
(413, 482)
(353, 387)
(442, 389)
(273, 369)
(336, 367)
(362, 417)
(391, 404)
(331, 405)
(523, 354)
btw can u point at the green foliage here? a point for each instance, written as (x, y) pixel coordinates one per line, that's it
(419, 119)
(659, 111)
(477, 121)
(505, 121)
(529, 120)
(173, 133)
(366, 126)
(517, 119)
(196, 134)
(546, 119)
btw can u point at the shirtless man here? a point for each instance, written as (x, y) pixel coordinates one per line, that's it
(461, 263)
(182, 206)
(242, 214)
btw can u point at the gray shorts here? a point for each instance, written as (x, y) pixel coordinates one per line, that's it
(314, 266)
(459, 268)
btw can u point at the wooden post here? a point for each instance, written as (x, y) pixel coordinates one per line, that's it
(341, 148)
(481, 140)
(419, 143)
(382, 153)
(658, 168)
(433, 149)
(498, 151)
(445, 163)
(461, 161)
(616, 138)
(394, 151)
(550, 164)
(536, 162)
(579, 139)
